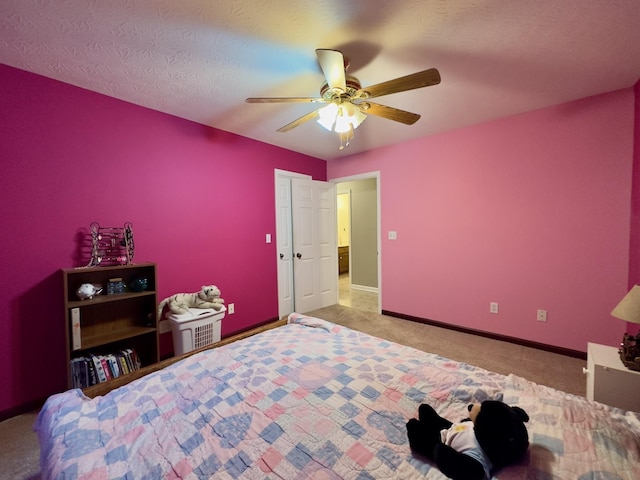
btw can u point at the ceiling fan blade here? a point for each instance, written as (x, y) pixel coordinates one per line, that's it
(299, 121)
(332, 64)
(425, 78)
(284, 99)
(390, 113)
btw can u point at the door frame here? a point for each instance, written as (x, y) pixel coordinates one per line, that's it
(363, 176)
(367, 176)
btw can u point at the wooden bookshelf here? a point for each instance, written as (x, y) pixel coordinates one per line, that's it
(111, 323)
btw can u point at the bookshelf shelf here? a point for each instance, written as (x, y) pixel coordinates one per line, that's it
(107, 325)
(90, 342)
(108, 298)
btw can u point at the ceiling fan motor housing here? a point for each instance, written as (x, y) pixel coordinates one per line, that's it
(329, 94)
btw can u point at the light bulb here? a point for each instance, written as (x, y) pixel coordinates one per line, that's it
(327, 116)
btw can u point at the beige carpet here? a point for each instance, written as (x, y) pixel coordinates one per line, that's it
(546, 368)
(19, 451)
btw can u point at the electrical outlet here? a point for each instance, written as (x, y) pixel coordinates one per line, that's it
(164, 326)
(493, 307)
(393, 235)
(542, 316)
(231, 308)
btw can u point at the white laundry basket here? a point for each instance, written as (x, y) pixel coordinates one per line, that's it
(198, 328)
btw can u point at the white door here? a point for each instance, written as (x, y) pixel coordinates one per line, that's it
(284, 239)
(310, 293)
(315, 262)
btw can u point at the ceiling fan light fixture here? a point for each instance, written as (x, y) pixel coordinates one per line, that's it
(340, 118)
(349, 117)
(327, 116)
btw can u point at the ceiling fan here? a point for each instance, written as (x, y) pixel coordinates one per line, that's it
(347, 102)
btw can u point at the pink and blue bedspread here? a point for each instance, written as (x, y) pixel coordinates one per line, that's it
(314, 400)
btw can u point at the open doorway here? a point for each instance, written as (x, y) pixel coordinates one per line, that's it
(358, 242)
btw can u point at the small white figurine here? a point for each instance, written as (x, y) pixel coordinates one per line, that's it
(87, 291)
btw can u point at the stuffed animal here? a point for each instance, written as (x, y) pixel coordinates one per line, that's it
(493, 437)
(208, 297)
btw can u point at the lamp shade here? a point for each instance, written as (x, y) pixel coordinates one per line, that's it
(629, 307)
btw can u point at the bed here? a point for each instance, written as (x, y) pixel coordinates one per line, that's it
(315, 400)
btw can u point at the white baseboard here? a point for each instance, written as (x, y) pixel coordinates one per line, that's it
(364, 288)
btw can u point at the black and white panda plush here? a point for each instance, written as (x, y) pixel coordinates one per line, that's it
(493, 437)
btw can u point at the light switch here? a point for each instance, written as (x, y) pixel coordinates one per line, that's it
(268, 237)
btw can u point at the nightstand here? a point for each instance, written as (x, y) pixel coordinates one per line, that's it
(609, 381)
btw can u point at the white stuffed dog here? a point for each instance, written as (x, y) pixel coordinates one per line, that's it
(208, 297)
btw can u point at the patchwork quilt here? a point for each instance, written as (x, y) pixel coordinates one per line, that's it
(314, 400)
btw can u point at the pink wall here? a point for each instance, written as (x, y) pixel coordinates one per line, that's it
(634, 246)
(531, 212)
(200, 201)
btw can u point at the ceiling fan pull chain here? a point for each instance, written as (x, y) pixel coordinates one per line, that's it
(345, 137)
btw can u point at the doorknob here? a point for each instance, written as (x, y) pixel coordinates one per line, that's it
(298, 255)
(281, 256)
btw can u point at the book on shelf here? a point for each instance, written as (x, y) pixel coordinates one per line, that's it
(102, 376)
(114, 365)
(135, 360)
(91, 369)
(77, 372)
(105, 367)
(123, 362)
(75, 329)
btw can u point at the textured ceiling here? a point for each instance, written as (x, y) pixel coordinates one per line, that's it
(200, 59)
